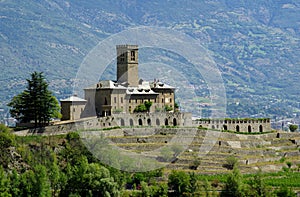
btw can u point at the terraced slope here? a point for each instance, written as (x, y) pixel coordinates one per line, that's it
(208, 151)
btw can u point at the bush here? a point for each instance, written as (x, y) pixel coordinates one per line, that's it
(293, 127)
(231, 162)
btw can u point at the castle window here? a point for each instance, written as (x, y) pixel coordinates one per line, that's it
(162, 100)
(140, 122)
(121, 99)
(166, 122)
(129, 100)
(261, 128)
(131, 122)
(115, 99)
(157, 122)
(132, 54)
(174, 122)
(122, 122)
(170, 100)
(249, 129)
(122, 57)
(237, 128)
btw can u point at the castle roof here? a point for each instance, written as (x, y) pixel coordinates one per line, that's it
(160, 85)
(143, 88)
(107, 84)
(73, 98)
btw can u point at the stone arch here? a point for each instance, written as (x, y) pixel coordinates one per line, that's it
(157, 122)
(166, 122)
(174, 122)
(149, 122)
(261, 129)
(140, 122)
(213, 126)
(131, 122)
(237, 128)
(249, 129)
(225, 127)
(122, 122)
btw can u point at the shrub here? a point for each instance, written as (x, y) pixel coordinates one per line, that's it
(293, 127)
(231, 162)
(289, 164)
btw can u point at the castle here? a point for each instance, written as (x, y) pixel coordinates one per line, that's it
(127, 95)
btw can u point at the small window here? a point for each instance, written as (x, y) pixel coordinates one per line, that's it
(73, 109)
(129, 100)
(121, 99)
(132, 54)
(162, 100)
(170, 100)
(115, 99)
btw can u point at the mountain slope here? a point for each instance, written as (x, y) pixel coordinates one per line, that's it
(255, 44)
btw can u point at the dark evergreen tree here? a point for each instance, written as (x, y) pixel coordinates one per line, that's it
(36, 103)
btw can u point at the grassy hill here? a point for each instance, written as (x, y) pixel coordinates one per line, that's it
(255, 44)
(65, 163)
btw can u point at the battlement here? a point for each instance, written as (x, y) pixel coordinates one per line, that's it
(127, 46)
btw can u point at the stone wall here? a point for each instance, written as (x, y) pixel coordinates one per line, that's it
(118, 120)
(238, 125)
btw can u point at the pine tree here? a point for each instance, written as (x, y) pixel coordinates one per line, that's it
(36, 103)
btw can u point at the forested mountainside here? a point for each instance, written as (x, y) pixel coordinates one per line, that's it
(255, 44)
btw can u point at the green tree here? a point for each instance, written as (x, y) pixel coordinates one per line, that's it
(293, 127)
(4, 184)
(6, 140)
(92, 179)
(285, 192)
(234, 186)
(140, 108)
(258, 187)
(15, 183)
(168, 108)
(148, 104)
(36, 103)
(180, 182)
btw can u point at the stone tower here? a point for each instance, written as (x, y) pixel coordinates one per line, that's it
(127, 64)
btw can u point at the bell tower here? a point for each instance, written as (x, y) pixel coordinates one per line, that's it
(127, 64)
